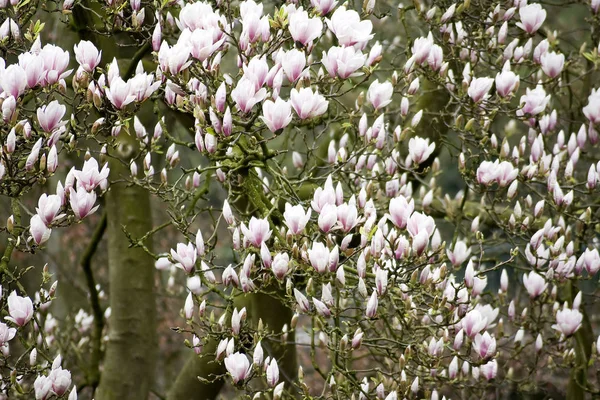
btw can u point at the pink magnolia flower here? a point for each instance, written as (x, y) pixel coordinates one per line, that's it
(372, 305)
(56, 61)
(176, 58)
(20, 309)
(201, 42)
(489, 370)
(13, 80)
(6, 333)
(238, 366)
(323, 6)
(592, 109)
(61, 380)
(479, 88)
(552, 63)
(507, 81)
(349, 29)
(246, 95)
(48, 207)
(319, 257)
(296, 218)
(293, 63)
(82, 202)
(418, 223)
(87, 55)
(304, 29)
(257, 71)
(400, 210)
(90, 177)
(324, 195)
(186, 256)
(533, 101)
(33, 65)
(380, 94)
(460, 253)
(343, 61)
(50, 115)
(257, 231)
(568, 321)
(280, 265)
(119, 93)
(484, 345)
(327, 217)
(200, 15)
(272, 373)
(473, 323)
(419, 149)
(38, 229)
(276, 115)
(506, 173)
(532, 17)
(535, 284)
(42, 387)
(308, 104)
(421, 48)
(347, 216)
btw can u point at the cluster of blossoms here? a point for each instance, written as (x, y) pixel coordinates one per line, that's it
(420, 209)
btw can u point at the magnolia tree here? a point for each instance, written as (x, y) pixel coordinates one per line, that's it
(363, 200)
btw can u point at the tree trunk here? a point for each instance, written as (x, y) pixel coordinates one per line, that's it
(129, 363)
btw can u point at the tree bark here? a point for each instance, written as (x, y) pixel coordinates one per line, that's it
(130, 356)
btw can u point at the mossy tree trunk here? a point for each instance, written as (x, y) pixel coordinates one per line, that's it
(130, 355)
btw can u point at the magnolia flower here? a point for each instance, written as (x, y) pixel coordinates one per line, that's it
(38, 230)
(532, 17)
(304, 29)
(257, 231)
(280, 265)
(419, 149)
(421, 48)
(61, 380)
(48, 207)
(484, 345)
(592, 109)
(568, 321)
(296, 218)
(507, 83)
(87, 55)
(319, 257)
(82, 202)
(56, 61)
(342, 61)
(186, 256)
(6, 333)
(534, 283)
(272, 373)
(293, 63)
(533, 101)
(308, 104)
(50, 115)
(349, 29)
(380, 94)
(347, 216)
(119, 93)
(238, 366)
(276, 115)
(323, 6)
(90, 176)
(489, 370)
(473, 323)
(20, 309)
(400, 210)
(479, 88)
(552, 63)
(460, 254)
(246, 95)
(42, 387)
(13, 80)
